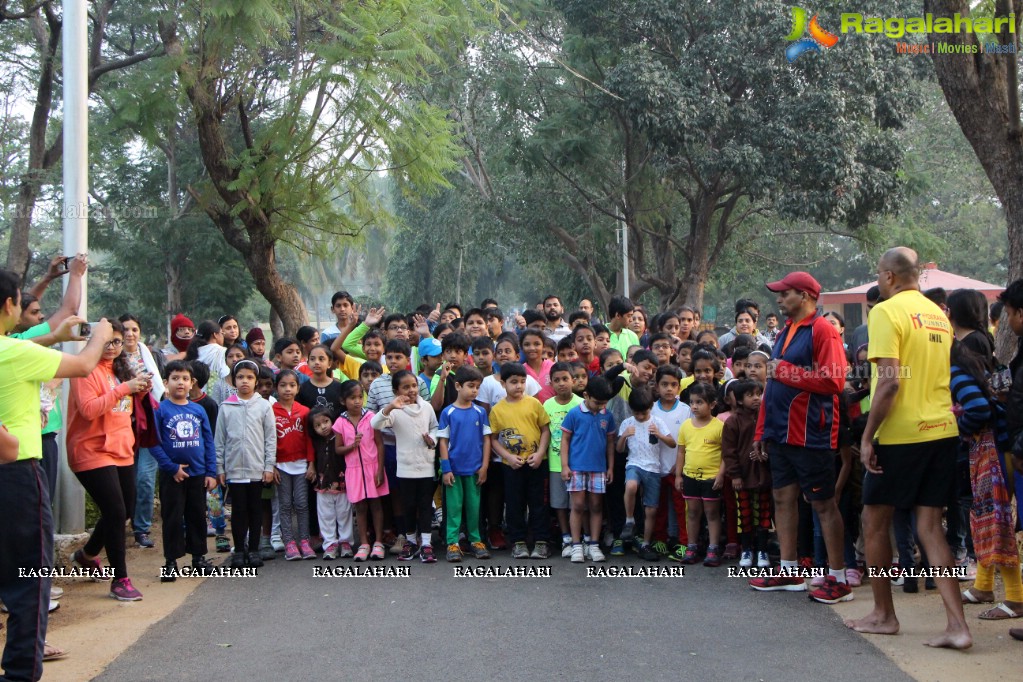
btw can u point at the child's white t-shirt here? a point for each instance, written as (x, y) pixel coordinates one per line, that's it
(492, 392)
(672, 420)
(643, 453)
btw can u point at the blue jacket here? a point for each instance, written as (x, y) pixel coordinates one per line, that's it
(185, 438)
(800, 405)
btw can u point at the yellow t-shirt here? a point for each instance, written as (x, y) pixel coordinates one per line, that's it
(350, 368)
(24, 366)
(703, 449)
(913, 330)
(518, 425)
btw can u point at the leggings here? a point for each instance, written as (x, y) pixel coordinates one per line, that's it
(293, 497)
(246, 515)
(417, 501)
(754, 513)
(112, 488)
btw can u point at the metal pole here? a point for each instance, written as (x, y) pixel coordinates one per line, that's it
(625, 258)
(70, 496)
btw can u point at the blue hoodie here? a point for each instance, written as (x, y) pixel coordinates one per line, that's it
(185, 438)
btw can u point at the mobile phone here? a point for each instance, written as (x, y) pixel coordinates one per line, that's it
(85, 329)
(65, 263)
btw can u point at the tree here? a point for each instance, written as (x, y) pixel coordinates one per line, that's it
(297, 105)
(982, 90)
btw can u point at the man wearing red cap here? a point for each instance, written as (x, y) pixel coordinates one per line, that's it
(797, 432)
(182, 331)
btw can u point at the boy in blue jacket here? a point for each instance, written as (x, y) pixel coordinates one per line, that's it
(187, 461)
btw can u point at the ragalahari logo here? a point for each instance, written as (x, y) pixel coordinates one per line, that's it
(818, 36)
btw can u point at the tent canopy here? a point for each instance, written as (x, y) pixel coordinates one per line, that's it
(930, 277)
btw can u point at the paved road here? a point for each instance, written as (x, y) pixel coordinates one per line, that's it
(288, 624)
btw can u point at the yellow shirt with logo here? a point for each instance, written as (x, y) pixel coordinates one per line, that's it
(910, 328)
(703, 449)
(518, 425)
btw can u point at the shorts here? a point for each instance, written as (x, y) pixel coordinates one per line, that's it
(649, 482)
(588, 481)
(915, 475)
(812, 468)
(695, 489)
(558, 492)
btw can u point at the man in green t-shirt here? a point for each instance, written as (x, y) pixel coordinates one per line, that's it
(26, 535)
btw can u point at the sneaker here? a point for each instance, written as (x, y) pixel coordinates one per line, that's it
(122, 590)
(497, 539)
(426, 555)
(746, 560)
(307, 550)
(408, 551)
(679, 554)
(609, 537)
(617, 548)
(56, 592)
(238, 560)
(276, 542)
(689, 555)
(223, 544)
(202, 564)
(853, 577)
(540, 551)
(377, 553)
(210, 530)
(647, 553)
(763, 561)
(92, 565)
(628, 531)
(266, 549)
(778, 583)
(586, 548)
(169, 573)
(577, 554)
(731, 552)
(596, 554)
(817, 581)
(254, 560)
(661, 547)
(330, 552)
(454, 553)
(520, 551)
(143, 540)
(291, 552)
(832, 592)
(806, 562)
(713, 559)
(566, 550)
(346, 551)
(438, 518)
(363, 553)
(464, 545)
(397, 547)
(479, 550)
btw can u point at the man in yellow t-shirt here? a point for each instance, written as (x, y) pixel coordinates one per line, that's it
(910, 441)
(26, 535)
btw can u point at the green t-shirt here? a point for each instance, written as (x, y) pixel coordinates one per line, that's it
(623, 339)
(23, 367)
(557, 412)
(32, 332)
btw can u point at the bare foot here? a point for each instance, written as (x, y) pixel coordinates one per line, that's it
(959, 639)
(874, 623)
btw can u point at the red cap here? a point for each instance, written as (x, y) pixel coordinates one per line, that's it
(800, 281)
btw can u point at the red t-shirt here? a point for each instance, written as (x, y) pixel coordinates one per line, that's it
(293, 442)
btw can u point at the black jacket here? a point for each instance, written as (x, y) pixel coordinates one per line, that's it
(1014, 405)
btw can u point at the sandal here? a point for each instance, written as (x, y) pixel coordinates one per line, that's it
(363, 553)
(52, 653)
(999, 612)
(378, 552)
(970, 598)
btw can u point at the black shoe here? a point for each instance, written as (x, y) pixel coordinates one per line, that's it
(237, 560)
(253, 560)
(201, 564)
(911, 586)
(169, 573)
(929, 584)
(647, 553)
(143, 540)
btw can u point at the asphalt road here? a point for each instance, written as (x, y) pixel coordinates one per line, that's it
(288, 624)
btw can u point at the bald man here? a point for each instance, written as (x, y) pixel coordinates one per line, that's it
(910, 441)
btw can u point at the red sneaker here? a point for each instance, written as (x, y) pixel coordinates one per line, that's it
(832, 592)
(778, 583)
(497, 540)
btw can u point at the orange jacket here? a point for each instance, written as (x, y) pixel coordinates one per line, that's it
(99, 429)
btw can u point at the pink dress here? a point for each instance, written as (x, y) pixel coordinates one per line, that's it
(361, 463)
(544, 379)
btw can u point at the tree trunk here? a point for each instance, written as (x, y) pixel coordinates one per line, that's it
(980, 91)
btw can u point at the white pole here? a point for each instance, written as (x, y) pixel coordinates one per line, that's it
(625, 258)
(70, 497)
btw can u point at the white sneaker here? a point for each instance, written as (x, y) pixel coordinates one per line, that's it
(596, 554)
(277, 543)
(586, 549)
(577, 554)
(746, 560)
(56, 592)
(762, 560)
(566, 551)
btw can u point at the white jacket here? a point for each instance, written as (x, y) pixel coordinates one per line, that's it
(415, 459)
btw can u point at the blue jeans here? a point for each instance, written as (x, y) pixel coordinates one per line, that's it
(145, 490)
(26, 541)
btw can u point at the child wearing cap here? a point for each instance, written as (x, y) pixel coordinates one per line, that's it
(182, 331)
(429, 362)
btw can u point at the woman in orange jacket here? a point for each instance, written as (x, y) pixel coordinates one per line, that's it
(100, 452)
